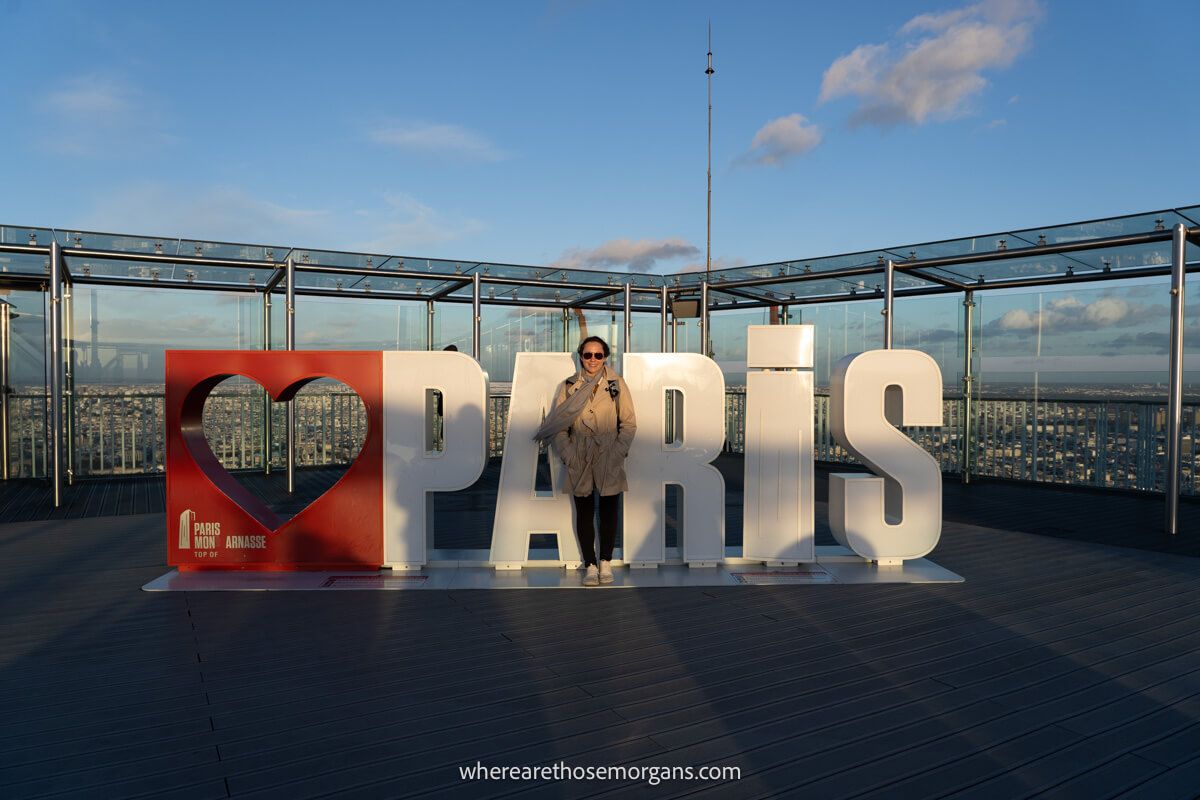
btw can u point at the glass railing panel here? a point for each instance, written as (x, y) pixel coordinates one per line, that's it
(1105, 228)
(165, 271)
(25, 264)
(19, 234)
(27, 434)
(1100, 444)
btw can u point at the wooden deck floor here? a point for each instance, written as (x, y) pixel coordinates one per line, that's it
(1060, 668)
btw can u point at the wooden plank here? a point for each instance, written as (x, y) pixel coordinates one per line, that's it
(1177, 782)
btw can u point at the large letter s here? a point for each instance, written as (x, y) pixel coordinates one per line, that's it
(897, 516)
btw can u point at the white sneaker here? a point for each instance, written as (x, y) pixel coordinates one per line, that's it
(592, 578)
(606, 575)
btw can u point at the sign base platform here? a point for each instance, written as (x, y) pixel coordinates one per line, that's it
(833, 566)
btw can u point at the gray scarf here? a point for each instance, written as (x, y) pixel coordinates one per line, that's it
(566, 412)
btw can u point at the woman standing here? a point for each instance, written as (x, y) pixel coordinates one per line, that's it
(591, 425)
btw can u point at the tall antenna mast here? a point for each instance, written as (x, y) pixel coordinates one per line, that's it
(708, 231)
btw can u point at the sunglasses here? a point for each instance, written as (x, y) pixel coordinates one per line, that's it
(590, 356)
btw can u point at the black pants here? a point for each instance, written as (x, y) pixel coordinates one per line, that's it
(585, 510)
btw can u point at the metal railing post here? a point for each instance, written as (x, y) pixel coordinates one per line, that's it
(627, 330)
(889, 299)
(704, 318)
(475, 316)
(566, 320)
(289, 334)
(429, 325)
(69, 379)
(56, 372)
(5, 381)
(662, 310)
(968, 382)
(1175, 391)
(267, 424)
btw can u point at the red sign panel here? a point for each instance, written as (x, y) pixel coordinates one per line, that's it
(213, 521)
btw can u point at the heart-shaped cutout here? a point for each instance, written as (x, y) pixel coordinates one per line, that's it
(331, 428)
(338, 527)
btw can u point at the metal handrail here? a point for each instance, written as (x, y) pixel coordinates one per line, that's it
(1102, 443)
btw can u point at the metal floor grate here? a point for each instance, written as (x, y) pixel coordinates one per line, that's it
(783, 577)
(374, 581)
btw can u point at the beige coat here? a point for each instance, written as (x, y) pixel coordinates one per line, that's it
(595, 446)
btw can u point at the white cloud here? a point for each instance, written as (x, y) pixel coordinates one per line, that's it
(90, 94)
(442, 139)
(406, 225)
(782, 139)
(934, 65)
(400, 224)
(1018, 319)
(1069, 313)
(1107, 311)
(636, 256)
(186, 326)
(99, 115)
(218, 213)
(936, 23)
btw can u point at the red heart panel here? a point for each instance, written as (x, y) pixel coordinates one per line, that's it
(213, 521)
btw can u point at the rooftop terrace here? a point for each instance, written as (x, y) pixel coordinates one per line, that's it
(1064, 665)
(1067, 664)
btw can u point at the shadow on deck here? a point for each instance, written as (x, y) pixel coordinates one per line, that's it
(1061, 668)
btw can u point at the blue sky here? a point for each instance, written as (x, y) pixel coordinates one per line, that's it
(574, 132)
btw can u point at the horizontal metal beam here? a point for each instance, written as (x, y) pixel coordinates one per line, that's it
(594, 297)
(26, 249)
(33, 280)
(163, 258)
(938, 279)
(464, 280)
(914, 268)
(26, 279)
(495, 301)
(23, 279)
(745, 295)
(374, 294)
(545, 283)
(1083, 277)
(838, 298)
(550, 304)
(365, 272)
(278, 275)
(845, 272)
(1036, 250)
(142, 283)
(459, 284)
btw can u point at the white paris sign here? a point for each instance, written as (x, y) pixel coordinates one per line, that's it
(889, 516)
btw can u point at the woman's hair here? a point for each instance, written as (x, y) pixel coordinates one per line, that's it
(595, 339)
